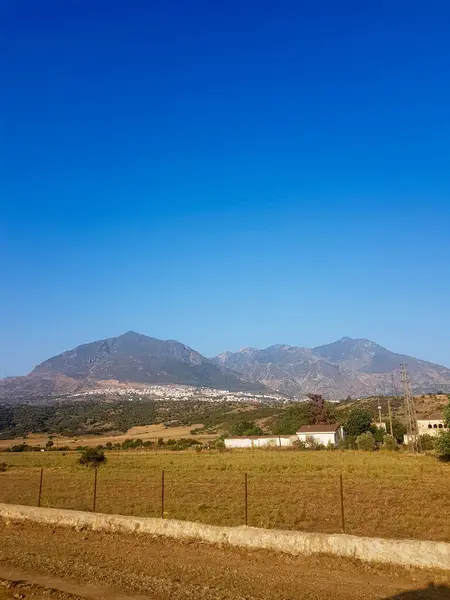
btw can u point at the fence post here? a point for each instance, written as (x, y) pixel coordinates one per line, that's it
(246, 497)
(341, 486)
(95, 489)
(162, 494)
(40, 486)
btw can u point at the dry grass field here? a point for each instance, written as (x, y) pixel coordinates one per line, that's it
(144, 432)
(385, 494)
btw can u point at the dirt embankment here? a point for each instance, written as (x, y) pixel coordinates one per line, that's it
(99, 566)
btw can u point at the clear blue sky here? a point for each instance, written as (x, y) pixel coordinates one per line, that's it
(224, 174)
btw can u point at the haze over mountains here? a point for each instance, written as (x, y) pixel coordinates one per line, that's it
(356, 367)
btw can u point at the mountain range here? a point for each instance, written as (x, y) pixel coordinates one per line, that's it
(356, 367)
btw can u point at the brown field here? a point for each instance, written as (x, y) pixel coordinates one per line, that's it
(385, 494)
(145, 432)
(51, 563)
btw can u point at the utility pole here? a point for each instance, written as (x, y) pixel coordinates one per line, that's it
(379, 415)
(410, 413)
(390, 416)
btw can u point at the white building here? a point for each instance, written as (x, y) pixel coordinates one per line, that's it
(322, 434)
(260, 441)
(431, 426)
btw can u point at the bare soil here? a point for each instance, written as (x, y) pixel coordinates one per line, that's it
(40, 561)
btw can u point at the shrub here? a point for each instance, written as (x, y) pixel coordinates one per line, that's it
(247, 428)
(129, 444)
(366, 442)
(183, 444)
(378, 433)
(348, 443)
(92, 457)
(3, 467)
(389, 442)
(18, 448)
(313, 444)
(427, 441)
(220, 445)
(442, 445)
(299, 445)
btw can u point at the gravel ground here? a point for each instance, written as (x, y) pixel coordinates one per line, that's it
(63, 564)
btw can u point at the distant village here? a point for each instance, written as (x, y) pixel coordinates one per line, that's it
(182, 392)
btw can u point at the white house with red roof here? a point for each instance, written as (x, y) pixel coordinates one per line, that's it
(321, 434)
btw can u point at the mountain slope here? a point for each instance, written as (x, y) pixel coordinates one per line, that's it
(131, 357)
(356, 367)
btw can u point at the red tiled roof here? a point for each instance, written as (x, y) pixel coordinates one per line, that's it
(318, 428)
(436, 416)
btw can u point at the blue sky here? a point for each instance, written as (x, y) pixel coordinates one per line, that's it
(224, 174)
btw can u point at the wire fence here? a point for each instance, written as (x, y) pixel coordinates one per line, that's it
(385, 507)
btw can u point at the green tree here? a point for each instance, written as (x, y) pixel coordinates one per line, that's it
(398, 430)
(389, 442)
(247, 428)
(358, 422)
(447, 415)
(292, 418)
(427, 441)
(92, 457)
(366, 442)
(442, 445)
(378, 433)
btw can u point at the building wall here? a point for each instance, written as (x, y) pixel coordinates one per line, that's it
(430, 426)
(262, 442)
(321, 438)
(238, 443)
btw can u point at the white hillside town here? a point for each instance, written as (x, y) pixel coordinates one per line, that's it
(181, 392)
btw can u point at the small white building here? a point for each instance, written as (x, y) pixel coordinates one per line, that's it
(322, 434)
(260, 441)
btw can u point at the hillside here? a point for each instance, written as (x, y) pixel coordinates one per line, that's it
(131, 357)
(355, 367)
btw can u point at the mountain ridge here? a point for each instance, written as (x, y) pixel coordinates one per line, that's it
(349, 366)
(131, 357)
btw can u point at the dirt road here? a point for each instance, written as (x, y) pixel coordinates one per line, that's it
(63, 564)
